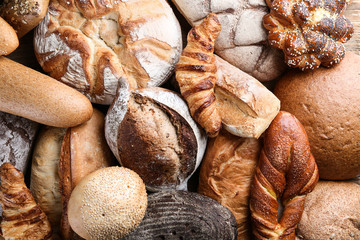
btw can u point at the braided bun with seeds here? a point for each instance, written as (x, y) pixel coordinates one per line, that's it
(196, 74)
(310, 33)
(286, 170)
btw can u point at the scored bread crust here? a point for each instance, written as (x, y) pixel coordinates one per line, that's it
(90, 45)
(243, 39)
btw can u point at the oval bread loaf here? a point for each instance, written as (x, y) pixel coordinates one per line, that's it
(30, 94)
(8, 39)
(184, 215)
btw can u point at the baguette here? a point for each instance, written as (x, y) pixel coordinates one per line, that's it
(30, 94)
(8, 38)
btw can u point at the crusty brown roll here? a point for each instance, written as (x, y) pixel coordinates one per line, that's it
(61, 158)
(326, 102)
(226, 173)
(91, 44)
(309, 33)
(150, 131)
(196, 74)
(107, 204)
(30, 94)
(286, 170)
(17, 137)
(246, 106)
(8, 39)
(23, 15)
(331, 212)
(22, 216)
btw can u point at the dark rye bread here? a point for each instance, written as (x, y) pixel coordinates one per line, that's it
(184, 215)
(17, 135)
(151, 132)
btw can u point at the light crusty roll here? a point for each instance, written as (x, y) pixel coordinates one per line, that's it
(8, 39)
(196, 74)
(61, 158)
(30, 94)
(245, 105)
(226, 174)
(23, 15)
(91, 44)
(331, 212)
(150, 131)
(286, 170)
(107, 204)
(22, 216)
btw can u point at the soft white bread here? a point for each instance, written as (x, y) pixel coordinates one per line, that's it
(30, 94)
(90, 45)
(8, 38)
(23, 15)
(107, 204)
(245, 105)
(243, 39)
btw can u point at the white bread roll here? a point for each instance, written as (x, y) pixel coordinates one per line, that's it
(8, 39)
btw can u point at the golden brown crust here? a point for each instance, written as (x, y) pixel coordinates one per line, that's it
(310, 33)
(22, 216)
(226, 173)
(83, 151)
(23, 15)
(196, 74)
(286, 170)
(8, 39)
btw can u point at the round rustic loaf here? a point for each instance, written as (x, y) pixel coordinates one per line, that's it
(90, 45)
(107, 204)
(23, 15)
(226, 174)
(331, 212)
(150, 131)
(184, 215)
(326, 101)
(243, 39)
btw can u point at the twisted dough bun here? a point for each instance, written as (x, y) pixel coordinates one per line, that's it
(286, 169)
(91, 44)
(196, 74)
(22, 216)
(310, 33)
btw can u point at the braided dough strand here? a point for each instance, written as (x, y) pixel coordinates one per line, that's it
(286, 170)
(196, 74)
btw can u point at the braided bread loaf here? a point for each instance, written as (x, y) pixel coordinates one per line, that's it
(286, 170)
(22, 216)
(310, 33)
(196, 74)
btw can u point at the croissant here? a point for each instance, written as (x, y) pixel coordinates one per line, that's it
(22, 217)
(196, 74)
(310, 33)
(286, 170)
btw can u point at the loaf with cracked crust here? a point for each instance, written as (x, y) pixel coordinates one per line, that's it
(150, 131)
(90, 45)
(243, 38)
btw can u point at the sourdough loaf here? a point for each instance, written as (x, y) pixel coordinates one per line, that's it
(150, 131)
(243, 39)
(90, 45)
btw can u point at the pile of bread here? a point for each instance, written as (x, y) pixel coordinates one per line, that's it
(222, 119)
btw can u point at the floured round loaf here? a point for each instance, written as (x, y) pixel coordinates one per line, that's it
(90, 45)
(151, 132)
(243, 39)
(226, 174)
(332, 212)
(184, 215)
(17, 136)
